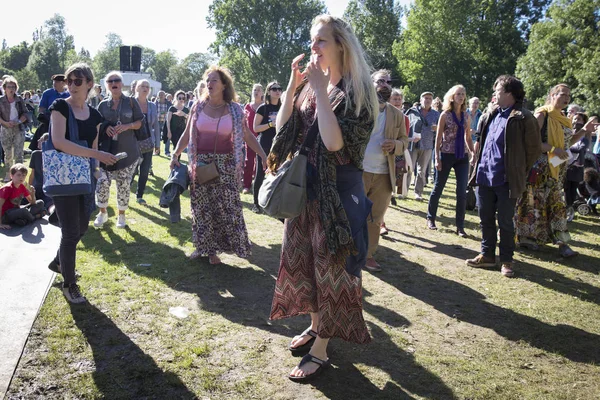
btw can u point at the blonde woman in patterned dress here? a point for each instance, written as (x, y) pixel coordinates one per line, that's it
(324, 248)
(541, 215)
(218, 224)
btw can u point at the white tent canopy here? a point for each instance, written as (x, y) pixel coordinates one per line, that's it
(129, 77)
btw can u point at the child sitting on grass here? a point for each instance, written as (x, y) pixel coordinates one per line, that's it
(11, 196)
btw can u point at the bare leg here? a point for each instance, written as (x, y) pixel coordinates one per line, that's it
(318, 349)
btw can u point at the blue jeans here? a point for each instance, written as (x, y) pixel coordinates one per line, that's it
(145, 166)
(461, 170)
(494, 200)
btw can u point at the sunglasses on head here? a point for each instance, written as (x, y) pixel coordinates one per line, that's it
(276, 89)
(76, 81)
(115, 80)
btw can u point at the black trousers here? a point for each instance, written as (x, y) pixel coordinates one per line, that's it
(74, 221)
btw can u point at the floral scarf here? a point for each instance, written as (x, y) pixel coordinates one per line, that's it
(237, 116)
(356, 132)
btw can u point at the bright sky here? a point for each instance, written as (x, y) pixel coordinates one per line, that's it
(173, 26)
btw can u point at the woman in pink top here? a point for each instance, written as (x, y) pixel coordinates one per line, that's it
(250, 111)
(215, 133)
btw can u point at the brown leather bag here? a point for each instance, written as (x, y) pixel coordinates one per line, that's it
(208, 172)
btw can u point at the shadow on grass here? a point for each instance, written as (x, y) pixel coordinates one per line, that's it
(122, 369)
(461, 302)
(250, 293)
(406, 375)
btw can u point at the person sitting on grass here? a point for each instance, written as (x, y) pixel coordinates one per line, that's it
(11, 196)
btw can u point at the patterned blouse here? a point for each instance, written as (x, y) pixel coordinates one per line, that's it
(449, 135)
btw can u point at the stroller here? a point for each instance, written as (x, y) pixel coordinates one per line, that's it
(588, 193)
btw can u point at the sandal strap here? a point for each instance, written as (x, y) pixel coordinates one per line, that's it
(310, 358)
(309, 332)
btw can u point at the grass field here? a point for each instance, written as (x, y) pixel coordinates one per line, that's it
(440, 330)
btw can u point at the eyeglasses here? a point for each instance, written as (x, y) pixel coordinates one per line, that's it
(382, 81)
(13, 87)
(76, 81)
(276, 89)
(115, 80)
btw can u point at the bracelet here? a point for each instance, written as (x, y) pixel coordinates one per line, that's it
(270, 124)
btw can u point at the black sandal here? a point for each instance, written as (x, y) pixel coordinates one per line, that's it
(304, 348)
(323, 364)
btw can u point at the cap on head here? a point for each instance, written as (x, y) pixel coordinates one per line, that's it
(59, 77)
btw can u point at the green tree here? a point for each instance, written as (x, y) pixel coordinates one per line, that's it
(27, 79)
(257, 39)
(186, 74)
(15, 57)
(565, 47)
(56, 30)
(44, 61)
(163, 62)
(377, 25)
(107, 58)
(469, 42)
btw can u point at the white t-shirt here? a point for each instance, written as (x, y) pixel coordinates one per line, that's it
(35, 99)
(14, 114)
(376, 161)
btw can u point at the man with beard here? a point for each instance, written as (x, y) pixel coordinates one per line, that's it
(379, 177)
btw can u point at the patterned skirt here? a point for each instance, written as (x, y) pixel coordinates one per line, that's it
(541, 214)
(310, 281)
(218, 224)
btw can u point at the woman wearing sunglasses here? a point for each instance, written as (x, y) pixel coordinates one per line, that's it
(177, 117)
(264, 125)
(122, 115)
(74, 211)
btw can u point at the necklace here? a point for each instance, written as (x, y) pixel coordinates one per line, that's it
(214, 107)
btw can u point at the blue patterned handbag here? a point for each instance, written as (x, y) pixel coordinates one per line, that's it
(66, 174)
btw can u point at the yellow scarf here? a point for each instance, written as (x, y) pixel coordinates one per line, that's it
(556, 132)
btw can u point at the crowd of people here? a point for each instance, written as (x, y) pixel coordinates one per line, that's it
(366, 147)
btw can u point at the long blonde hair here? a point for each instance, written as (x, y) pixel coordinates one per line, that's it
(449, 99)
(355, 70)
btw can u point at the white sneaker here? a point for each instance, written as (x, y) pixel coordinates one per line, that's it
(101, 218)
(121, 221)
(418, 197)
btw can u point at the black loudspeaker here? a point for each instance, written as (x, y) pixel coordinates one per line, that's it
(125, 58)
(136, 58)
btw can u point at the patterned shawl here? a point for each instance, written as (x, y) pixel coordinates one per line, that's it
(356, 132)
(238, 118)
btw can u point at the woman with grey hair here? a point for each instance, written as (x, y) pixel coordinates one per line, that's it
(122, 115)
(142, 92)
(13, 115)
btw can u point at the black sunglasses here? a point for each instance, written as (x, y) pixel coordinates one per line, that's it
(181, 98)
(116, 80)
(277, 89)
(76, 81)
(382, 81)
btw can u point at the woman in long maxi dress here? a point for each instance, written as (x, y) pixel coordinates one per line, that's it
(324, 248)
(215, 133)
(541, 215)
